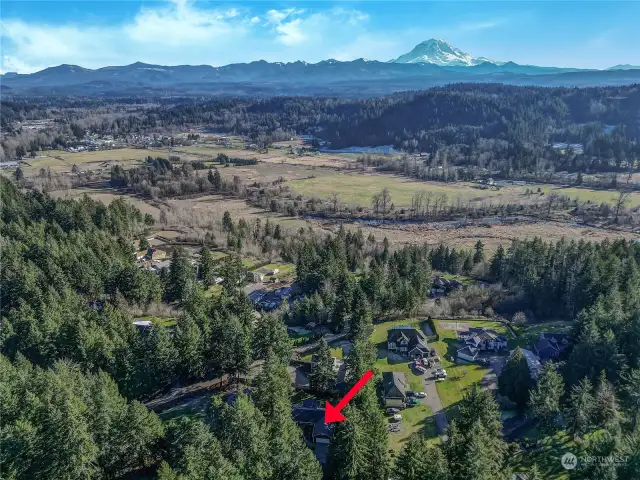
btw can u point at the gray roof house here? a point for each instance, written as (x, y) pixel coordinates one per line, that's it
(394, 389)
(550, 345)
(483, 339)
(408, 341)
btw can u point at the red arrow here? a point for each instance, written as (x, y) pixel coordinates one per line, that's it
(332, 414)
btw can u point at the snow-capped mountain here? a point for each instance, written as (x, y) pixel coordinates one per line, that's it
(439, 52)
(626, 66)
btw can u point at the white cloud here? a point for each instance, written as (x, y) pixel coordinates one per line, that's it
(182, 32)
(290, 33)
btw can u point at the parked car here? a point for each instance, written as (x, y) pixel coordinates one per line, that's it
(412, 402)
(392, 410)
(419, 394)
(421, 369)
(397, 417)
(441, 373)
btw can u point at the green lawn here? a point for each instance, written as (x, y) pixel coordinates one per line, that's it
(379, 338)
(358, 188)
(335, 352)
(460, 377)
(418, 418)
(528, 334)
(285, 270)
(164, 321)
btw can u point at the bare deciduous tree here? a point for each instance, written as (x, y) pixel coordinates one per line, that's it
(623, 198)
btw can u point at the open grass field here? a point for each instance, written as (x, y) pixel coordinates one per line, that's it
(589, 195)
(528, 334)
(386, 363)
(467, 236)
(358, 188)
(460, 377)
(418, 418)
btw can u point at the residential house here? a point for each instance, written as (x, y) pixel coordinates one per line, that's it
(408, 341)
(468, 353)
(483, 339)
(158, 266)
(309, 416)
(476, 340)
(255, 277)
(550, 345)
(442, 285)
(143, 325)
(394, 389)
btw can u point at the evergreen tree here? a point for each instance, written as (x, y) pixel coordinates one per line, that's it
(227, 222)
(207, 267)
(346, 452)
(605, 407)
(244, 434)
(544, 400)
(217, 180)
(290, 457)
(498, 264)
(323, 377)
(579, 415)
(181, 274)
(515, 379)
(361, 318)
(271, 339)
(419, 460)
(374, 434)
(189, 345)
(143, 243)
(478, 256)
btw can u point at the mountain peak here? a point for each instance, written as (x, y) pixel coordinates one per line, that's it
(440, 52)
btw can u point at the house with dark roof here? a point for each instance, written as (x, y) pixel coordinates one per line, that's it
(394, 389)
(408, 341)
(479, 339)
(483, 339)
(550, 345)
(468, 353)
(309, 416)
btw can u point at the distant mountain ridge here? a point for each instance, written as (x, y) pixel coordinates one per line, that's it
(413, 71)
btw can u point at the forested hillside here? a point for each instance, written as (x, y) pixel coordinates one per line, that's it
(481, 125)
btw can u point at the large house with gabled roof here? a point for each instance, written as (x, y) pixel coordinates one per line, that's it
(408, 341)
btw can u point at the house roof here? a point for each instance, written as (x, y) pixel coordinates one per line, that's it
(483, 334)
(394, 384)
(413, 336)
(469, 351)
(550, 344)
(322, 429)
(532, 361)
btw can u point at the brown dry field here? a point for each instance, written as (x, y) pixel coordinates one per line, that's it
(467, 237)
(189, 215)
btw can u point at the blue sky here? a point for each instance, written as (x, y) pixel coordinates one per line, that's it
(39, 34)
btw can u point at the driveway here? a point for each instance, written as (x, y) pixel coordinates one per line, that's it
(490, 380)
(432, 400)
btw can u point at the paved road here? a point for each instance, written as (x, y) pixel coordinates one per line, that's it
(432, 400)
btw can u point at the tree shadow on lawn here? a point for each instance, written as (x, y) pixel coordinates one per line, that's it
(453, 344)
(392, 358)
